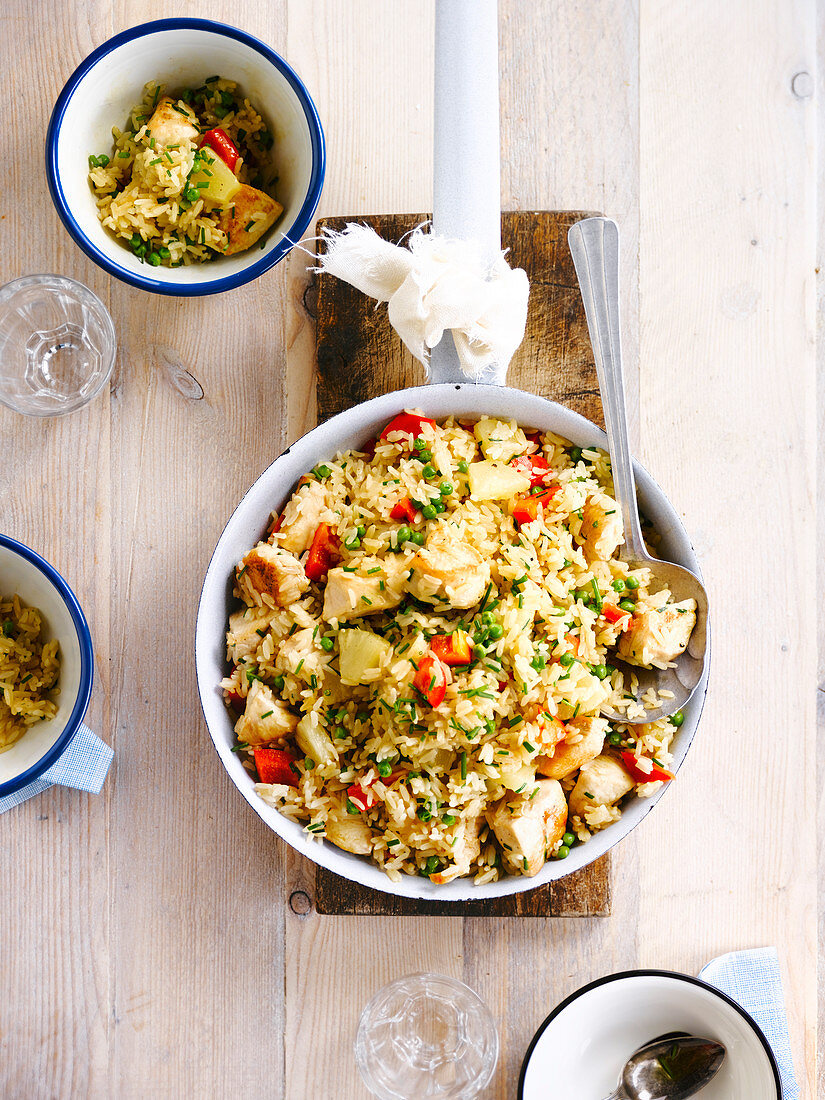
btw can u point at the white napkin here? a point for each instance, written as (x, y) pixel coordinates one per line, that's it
(84, 766)
(433, 284)
(752, 979)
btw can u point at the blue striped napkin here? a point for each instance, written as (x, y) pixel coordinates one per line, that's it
(752, 979)
(83, 766)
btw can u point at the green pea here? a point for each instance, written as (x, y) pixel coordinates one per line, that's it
(164, 253)
(582, 594)
(323, 471)
(618, 585)
(439, 506)
(384, 768)
(462, 467)
(488, 618)
(309, 763)
(445, 488)
(575, 454)
(403, 535)
(632, 582)
(352, 543)
(420, 443)
(599, 671)
(135, 241)
(563, 852)
(429, 471)
(627, 605)
(614, 738)
(448, 819)
(153, 259)
(495, 631)
(432, 865)
(425, 454)
(677, 719)
(417, 537)
(328, 644)
(566, 660)
(140, 251)
(340, 733)
(352, 808)
(361, 529)
(191, 194)
(423, 814)
(429, 511)
(278, 683)
(363, 716)
(568, 840)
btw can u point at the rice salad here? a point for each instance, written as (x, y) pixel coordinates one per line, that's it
(423, 644)
(190, 178)
(29, 670)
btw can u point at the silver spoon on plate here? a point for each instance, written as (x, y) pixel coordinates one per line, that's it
(670, 1068)
(594, 243)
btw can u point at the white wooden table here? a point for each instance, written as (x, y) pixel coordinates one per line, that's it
(147, 946)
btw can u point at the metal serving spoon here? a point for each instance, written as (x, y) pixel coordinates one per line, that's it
(594, 243)
(669, 1068)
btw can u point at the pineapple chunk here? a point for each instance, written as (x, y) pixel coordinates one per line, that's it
(361, 652)
(222, 185)
(314, 742)
(496, 481)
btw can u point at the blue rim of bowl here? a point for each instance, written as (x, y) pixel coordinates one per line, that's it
(214, 286)
(84, 690)
(746, 1016)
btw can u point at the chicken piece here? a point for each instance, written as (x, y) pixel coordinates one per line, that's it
(276, 572)
(601, 782)
(465, 850)
(601, 530)
(266, 718)
(532, 829)
(568, 757)
(348, 831)
(658, 636)
(246, 629)
(448, 570)
(350, 595)
(173, 123)
(238, 222)
(307, 507)
(299, 654)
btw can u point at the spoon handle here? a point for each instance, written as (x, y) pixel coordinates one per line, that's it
(594, 243)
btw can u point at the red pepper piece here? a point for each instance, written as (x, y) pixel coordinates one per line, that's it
(275, 766)
(615, 615)
(277, 524)
(323, 553)
(404, 509)
(636, 773)
(536, 467)
(526, 508)
(220, 142)
(430, 681)
(452, 649)
(362, 798)
(408, 423)
(236, 701)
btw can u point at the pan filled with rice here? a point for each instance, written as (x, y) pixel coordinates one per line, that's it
(190, 178)
(422, 628)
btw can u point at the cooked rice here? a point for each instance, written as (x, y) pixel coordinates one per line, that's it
(29, 668)
(481, 744)
(139, 192)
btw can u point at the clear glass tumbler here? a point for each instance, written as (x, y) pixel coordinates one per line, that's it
(57, 345)
(426, 1037)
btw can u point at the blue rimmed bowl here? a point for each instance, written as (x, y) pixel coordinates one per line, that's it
(179, 53)
(38, 584)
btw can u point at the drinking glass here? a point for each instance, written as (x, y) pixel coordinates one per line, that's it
(426, 1037)
(57, 345)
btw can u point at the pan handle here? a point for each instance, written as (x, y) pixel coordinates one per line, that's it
(466, 156)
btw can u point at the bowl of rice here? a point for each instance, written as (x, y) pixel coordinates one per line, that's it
(185, 157)
(413, 775)
(46, 665)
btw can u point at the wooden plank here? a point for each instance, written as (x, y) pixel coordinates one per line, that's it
(360, 356)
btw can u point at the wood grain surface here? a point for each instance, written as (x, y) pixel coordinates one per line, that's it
(359, 356)
(149, 946)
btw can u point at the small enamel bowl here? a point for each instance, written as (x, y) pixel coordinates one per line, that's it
(179, 53)
(582, 1046)
(38, 584)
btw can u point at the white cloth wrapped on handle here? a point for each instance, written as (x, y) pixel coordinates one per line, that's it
(432, 284)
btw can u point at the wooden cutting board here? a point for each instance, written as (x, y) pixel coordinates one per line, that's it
(360, 356)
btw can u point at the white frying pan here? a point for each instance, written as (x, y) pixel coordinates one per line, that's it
(470, 24)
